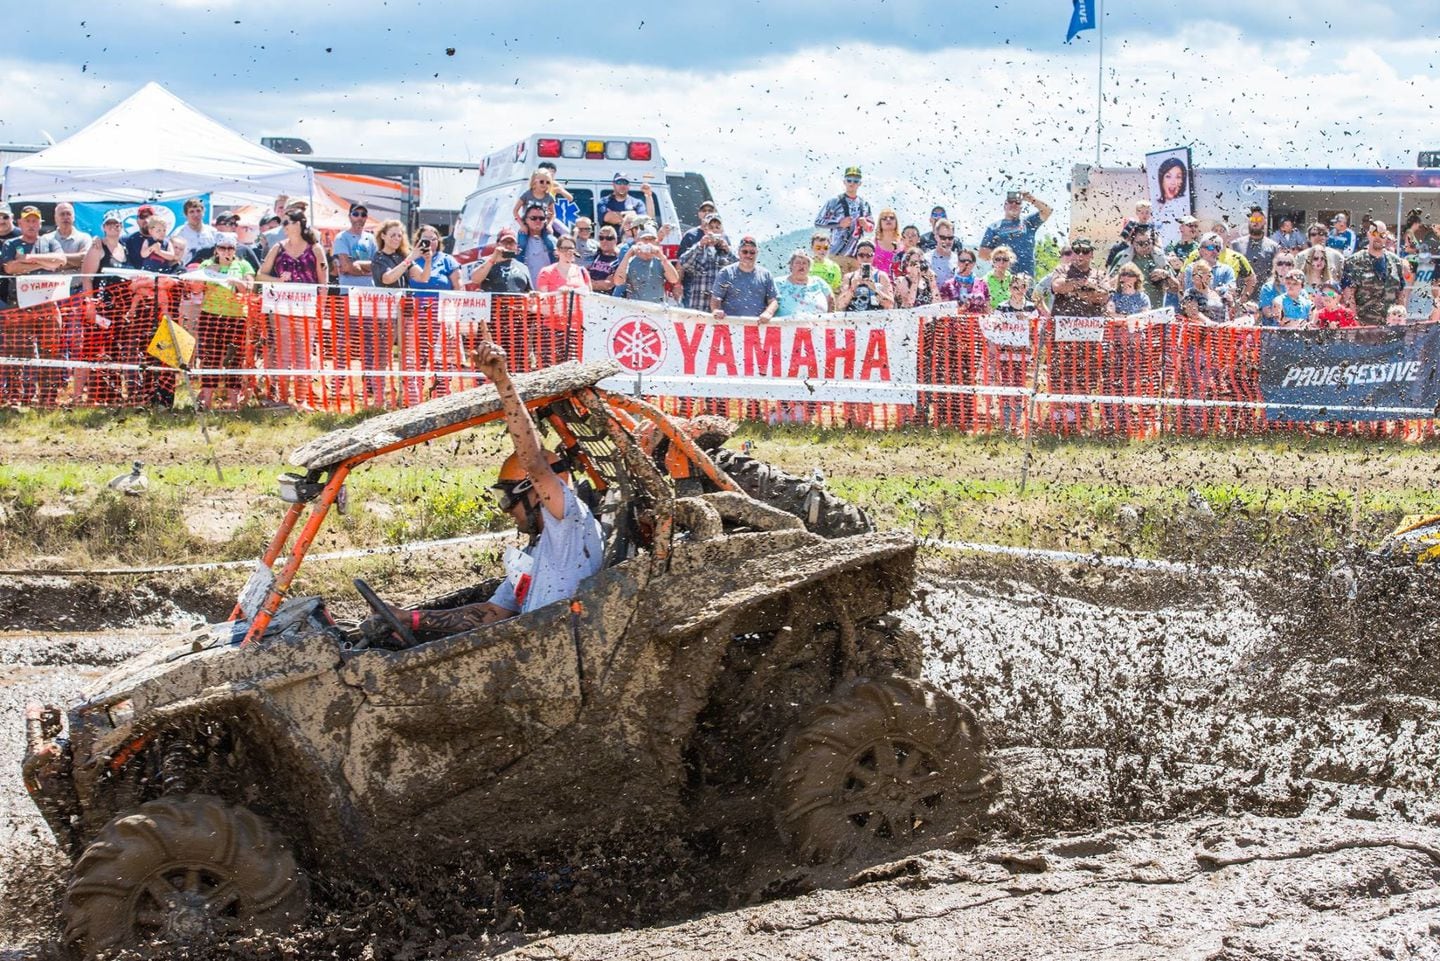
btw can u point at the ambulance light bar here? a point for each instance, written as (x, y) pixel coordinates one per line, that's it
(552, 148)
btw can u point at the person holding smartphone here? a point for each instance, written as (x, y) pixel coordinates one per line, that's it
(502, 272)
(865, 288)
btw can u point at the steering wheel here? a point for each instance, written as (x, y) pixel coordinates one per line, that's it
(383, 611)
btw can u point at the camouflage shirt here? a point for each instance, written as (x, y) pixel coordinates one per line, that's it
(1376, 283)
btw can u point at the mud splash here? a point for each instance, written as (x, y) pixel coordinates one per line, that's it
(1110, 701)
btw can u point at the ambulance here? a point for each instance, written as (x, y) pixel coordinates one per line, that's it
(585, 166)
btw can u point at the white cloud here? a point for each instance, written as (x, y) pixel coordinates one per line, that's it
(949, 126)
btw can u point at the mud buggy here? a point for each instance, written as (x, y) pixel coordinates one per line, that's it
(726, 667)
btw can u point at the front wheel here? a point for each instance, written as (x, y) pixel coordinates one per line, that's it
(191, 871)
(885, 768)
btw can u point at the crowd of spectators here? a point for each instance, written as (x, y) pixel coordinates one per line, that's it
(1316, 276)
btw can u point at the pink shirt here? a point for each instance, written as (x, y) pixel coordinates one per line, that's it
(552, 278)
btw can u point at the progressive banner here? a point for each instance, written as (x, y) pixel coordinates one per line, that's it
(1374, 374)
(864, 357)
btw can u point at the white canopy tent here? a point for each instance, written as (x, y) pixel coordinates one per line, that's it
(155, 146)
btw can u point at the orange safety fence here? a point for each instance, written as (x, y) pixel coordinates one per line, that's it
(975, 374)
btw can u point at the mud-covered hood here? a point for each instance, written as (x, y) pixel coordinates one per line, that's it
(168, 649)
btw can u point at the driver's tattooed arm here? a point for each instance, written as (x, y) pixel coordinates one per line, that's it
(462, 619)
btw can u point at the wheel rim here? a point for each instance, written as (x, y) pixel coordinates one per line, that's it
(892, 789)
(187, 903)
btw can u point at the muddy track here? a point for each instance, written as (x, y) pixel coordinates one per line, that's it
(1115, 703)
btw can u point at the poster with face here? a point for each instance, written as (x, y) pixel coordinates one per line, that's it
(1172, 190)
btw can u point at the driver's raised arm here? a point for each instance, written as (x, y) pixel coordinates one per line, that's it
(491, 360)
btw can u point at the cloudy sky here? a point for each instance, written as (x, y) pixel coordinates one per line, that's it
(770, 100)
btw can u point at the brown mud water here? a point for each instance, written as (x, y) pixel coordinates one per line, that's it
(1191, 769)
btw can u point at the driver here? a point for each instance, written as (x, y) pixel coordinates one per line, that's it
(534, 489)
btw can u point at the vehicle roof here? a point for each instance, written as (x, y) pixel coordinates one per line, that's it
(396, 426)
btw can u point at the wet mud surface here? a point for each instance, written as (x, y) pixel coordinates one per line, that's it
(1192, 768)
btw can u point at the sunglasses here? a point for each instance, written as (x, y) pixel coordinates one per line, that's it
(610, 237)
(998, 260)
(964, 261)
(944, 236)
(508, 495)
(565, 249)
(534, 220)
(1210, 247)
(750, 250)
(852, 180)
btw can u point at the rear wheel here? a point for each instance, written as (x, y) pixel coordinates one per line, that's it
(182, 871)
(885, 768)
(823, 512)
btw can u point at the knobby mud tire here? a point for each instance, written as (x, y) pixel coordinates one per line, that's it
(183, 870)
(823, 513)
(885, 768)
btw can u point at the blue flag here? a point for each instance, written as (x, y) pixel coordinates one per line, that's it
(1082, 19)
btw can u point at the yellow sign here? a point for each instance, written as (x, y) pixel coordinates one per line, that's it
(164, 350)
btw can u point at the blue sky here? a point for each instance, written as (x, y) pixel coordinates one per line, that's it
(771, 99)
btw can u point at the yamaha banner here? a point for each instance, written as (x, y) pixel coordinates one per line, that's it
(1387, 373)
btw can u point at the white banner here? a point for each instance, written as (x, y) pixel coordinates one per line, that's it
(293, 300)
(1006, 330)
(32, 289)
(374, 301)
(1089, 330)
(464, 309)
(866, 357)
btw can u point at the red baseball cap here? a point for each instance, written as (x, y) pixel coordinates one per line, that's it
(506, 233)
(145, 211)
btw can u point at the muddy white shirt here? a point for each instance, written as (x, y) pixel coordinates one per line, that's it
(569, 550)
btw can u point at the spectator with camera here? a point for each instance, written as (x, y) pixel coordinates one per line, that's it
(849, 218)
(697, 233)
(915, 284)
(744, 288)
(644, 271)
(1016, 232)
(703, 262)
(503, 272)
(433, 269)
(1158, 280)
(865, 288)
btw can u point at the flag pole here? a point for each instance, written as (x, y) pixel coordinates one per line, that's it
(1099, 78)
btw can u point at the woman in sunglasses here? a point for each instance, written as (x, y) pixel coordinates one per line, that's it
(915, 283)
(888, 243)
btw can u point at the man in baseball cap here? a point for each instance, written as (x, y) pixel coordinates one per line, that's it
(503, 272)
(849, 218)
(614, 207)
